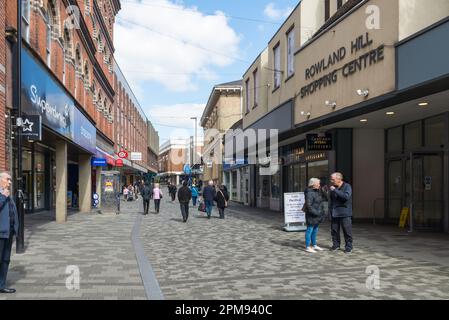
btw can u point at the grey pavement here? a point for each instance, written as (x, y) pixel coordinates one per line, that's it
(248, 256)
(245, 256)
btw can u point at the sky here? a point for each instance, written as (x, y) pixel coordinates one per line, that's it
(174, 52)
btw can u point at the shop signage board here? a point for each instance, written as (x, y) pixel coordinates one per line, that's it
(293, 214)
(136, 156)
(119, 163)
(123, 154)
(317, 142)
(32, 127)
(43, 96)
(99, 162)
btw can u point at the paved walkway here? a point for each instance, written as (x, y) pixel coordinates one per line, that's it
(245, 256)
(99, 245)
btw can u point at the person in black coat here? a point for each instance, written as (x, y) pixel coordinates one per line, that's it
(314, 209)
(184, 197)
(146, 193)
(340, 207)
(221, 198)
(9, 226)
(209, 194)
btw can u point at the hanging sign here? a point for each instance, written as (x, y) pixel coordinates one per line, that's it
(136, 156)
(32, 127)
(316, 142)
(123, 154)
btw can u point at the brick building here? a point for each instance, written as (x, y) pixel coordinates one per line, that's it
(69, 79)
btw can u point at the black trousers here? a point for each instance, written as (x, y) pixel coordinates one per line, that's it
(185, 211)
(5, 257)
(157, 203)
(346, 225)
(221, 212)
(173, 196)
(146, 205)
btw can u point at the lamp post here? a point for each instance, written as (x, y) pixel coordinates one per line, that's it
(20, 247)
(195, 140)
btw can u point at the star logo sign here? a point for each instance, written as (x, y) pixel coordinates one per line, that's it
(28, 126)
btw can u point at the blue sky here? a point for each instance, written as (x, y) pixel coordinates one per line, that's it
(173, 52)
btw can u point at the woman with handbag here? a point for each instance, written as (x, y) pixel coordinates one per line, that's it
(222, 199)
(314, 209)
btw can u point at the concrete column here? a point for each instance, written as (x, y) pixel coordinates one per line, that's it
(61, 181)
(98, 183)
(85, 183)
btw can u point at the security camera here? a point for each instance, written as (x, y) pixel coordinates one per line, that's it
(363, 93)
(331, 104)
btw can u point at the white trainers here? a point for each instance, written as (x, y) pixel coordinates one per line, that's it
(318, 248)
(310, 250)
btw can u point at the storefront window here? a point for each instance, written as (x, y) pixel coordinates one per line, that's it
(413, 135)
(394, 137)
(39, 181)
(434, 131)
(319, 170)
(275, 185)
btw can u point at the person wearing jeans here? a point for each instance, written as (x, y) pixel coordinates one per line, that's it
(314, 210)
(209, 195)
(194, 194)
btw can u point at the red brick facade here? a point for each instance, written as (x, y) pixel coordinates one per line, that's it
(3, 161)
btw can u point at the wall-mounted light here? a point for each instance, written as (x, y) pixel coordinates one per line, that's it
(331, 104)
(305, 114)
(363, 92)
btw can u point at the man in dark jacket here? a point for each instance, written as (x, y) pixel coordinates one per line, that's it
(184, 197)
(146, 196)
(9, 226)
(209, 195)
(340, 208)
(222, 198)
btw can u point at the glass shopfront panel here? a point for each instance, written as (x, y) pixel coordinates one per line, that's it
(434, 131)
(319, 170)
(413, 135)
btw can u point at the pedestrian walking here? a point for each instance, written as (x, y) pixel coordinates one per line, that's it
(314, 208)
(194, 194)
(209, 196)
(340, 207)
(130, 193)
(157, 196)
(222, 198)
(9, 226)
(184, 196)
(125, 193)
(146, 196)
(172, 192)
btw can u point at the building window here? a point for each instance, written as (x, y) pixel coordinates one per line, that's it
(434, 129)
(413, 135)
(339, 4)
(26, 20)
(87, 7)
(247, 95)
(277, 66)
(291, 53)
(48, 29)
(256, 88)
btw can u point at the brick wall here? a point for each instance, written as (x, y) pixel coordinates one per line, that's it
(3, 160)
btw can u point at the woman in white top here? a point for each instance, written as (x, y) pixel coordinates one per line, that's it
(157, 196)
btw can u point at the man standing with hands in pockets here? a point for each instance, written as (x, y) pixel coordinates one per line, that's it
(340, 207)
(9, 225)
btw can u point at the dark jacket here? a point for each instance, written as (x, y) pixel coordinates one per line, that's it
(314, 206)
(184, 194)
(172, 189)
(146, 192)
(220, 198)
(209, 193)
(340, 202)
(7, 206)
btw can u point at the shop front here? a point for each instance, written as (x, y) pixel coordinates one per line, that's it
(57, 169)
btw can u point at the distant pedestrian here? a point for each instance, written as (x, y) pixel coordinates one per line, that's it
(209, 196)
(173, 191)
(314, 209)
(184, 196)
(146, 196)
(130, 193)
(157, 196)
(125, 193)
(9, 226)
(194, 194)
(340, 207)
(222, 198)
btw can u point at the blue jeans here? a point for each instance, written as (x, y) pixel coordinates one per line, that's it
(194, 201)
(209, 206)
(311, 233)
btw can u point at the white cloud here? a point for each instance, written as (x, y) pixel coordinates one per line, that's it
(277, 14)
(177, 116)
(160, 41)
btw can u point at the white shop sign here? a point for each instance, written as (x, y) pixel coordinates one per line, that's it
(293, 214)
(136, 156)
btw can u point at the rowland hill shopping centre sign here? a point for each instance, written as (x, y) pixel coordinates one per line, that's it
(357, 64)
